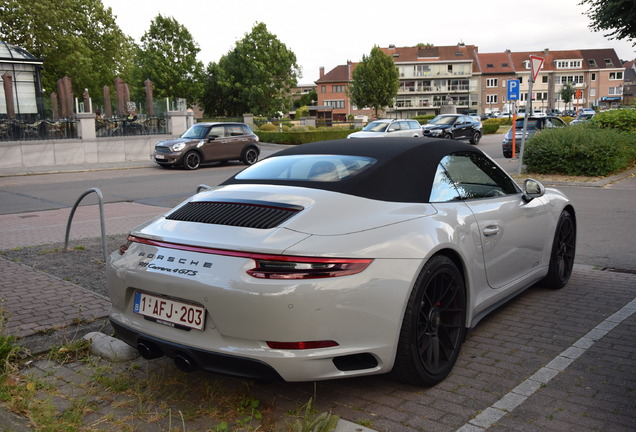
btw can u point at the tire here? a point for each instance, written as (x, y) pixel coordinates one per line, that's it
(192, 160)
(563, 252)
(250, 156)
(434, 325)
(475, 138)
(448, 136)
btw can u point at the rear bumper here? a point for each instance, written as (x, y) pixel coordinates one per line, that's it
(205, 360)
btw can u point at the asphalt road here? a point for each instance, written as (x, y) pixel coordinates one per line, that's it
(606, 215)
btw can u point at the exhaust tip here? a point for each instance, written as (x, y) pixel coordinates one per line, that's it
(148, 350)
(184, 363)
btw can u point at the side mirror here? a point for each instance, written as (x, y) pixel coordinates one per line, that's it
(532, 189)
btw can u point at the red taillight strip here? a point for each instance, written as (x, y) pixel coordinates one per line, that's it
(302, 345)
(341, 266)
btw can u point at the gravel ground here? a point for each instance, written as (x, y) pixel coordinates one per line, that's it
(82, 264)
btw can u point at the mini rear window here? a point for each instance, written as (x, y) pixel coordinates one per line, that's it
(315, 168)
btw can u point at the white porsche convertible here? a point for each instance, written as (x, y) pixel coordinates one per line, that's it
(338, 259)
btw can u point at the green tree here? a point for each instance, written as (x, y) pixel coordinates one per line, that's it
(618, 17)
(375, 81)
(256, 77)
(167, 56)
(567, 93)
(78, 38)
(306, 99)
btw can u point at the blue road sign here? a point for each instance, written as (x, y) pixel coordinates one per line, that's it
(513, 89)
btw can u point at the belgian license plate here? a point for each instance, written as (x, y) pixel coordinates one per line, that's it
(159, 156)
(169, 312)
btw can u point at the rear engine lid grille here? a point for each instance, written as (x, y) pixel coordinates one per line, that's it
(248, 214)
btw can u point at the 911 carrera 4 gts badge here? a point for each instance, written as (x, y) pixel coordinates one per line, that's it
(172, 264)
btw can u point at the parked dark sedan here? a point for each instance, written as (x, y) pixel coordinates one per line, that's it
(453, 126)
(535, 124)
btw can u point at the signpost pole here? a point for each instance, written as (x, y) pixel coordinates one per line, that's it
(535, 65)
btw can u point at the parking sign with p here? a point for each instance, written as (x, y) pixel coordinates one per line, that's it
(513, 89)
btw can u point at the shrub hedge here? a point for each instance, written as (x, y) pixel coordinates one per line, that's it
(581, 150)
(301, 137)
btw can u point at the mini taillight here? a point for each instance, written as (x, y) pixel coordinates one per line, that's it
(302, 345)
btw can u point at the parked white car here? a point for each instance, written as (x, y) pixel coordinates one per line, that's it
(389, 128)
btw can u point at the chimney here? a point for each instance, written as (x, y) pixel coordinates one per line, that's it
(546, 51)
(322, 72)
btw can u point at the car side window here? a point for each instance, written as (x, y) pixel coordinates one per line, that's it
(476, 177)
(217, 132)
(443, 189)
(234, 130)
(414, 125)
(395, 126)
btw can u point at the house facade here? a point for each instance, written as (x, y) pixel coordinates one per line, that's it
(476, 82)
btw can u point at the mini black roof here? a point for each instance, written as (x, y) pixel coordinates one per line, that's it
(404, 171)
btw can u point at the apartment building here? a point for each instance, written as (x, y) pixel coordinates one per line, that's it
(433, 76)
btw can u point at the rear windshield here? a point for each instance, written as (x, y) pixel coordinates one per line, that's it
(317, 168)
(532, 124)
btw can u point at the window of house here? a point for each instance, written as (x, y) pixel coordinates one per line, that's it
(335, 103)
(615, 90)
(491, 98)
(338, 89)
(593, 77)
(491, 82)
(323, 89)
(544, 79)
(568, 64)
(450, 68)
(490, 66)
(592, 92)
(608, 62)
(592, 63)
(616, 75)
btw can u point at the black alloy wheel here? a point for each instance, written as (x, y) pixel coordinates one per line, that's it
(434, 327)
(563, 252)
(250, 156)
(192, 160)
(475, 138)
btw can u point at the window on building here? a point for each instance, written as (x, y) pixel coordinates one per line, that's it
(592, 92)
(544, 79)
(608, 62)
(490, 66)
(593, 78)
(570, 79)
(491, 98)
(569, 64)
(491, 82)
(450, 68)
(338, 89)
(592, 63)
(335, 103)
(616, 75)
(323, 89)
(615, 90)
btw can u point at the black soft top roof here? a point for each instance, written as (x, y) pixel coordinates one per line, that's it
(404, 171)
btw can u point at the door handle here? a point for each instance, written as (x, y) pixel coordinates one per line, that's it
(490, 231)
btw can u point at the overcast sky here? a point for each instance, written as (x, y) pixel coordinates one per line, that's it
(328, 32)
